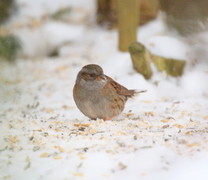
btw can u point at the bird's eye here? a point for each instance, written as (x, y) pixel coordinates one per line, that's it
(92, 75)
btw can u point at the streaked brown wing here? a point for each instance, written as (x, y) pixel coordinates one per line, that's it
(120, 89)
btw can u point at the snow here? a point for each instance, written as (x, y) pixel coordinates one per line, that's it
(162, 134)
(167, 47)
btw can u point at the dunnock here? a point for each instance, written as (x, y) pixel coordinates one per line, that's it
(99, 96)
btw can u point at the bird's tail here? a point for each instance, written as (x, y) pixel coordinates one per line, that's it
(135, 92)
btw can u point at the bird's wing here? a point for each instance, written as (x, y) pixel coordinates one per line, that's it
(121, 89)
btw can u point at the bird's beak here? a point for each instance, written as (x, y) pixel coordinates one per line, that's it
(99, 78)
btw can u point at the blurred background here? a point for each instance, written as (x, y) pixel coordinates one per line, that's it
(159, 35)
(42, 28)
(164, 41)
(156, 44)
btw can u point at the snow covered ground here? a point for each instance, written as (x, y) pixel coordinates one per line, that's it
(161, 134)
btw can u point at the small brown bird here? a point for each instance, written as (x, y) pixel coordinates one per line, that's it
(99, 96)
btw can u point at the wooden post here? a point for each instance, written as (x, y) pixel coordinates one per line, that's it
(128, 13)
(173, 67)
(142, 58)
